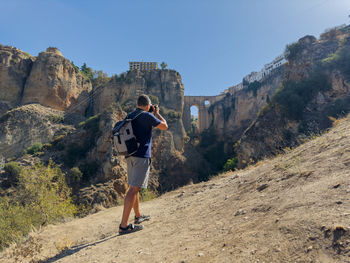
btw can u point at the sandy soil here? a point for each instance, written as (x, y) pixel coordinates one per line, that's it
(293, 208)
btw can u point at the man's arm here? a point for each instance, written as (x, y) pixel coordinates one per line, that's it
(163, 125)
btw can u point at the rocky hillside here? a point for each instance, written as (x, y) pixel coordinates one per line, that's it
(26, 125)
(49, 79)
(314, 91)
(68, 113)
(293, 208)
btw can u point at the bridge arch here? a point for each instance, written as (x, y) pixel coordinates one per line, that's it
(203, 103)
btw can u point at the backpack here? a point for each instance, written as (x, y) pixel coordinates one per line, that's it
(124, 140)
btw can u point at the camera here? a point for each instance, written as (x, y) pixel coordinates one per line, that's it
(152, 108)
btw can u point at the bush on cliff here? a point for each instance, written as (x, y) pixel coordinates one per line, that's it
(41, 197)
(293, 50)
(230, 164)
(36, 147)
(292, 97)
(86, 72)
(12, 171)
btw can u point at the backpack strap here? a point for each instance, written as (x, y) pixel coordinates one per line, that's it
(137, 115)
(120, 124)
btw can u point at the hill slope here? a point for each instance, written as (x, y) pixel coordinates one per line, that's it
(294, 208)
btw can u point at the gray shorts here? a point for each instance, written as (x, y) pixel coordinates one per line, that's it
(138, 171)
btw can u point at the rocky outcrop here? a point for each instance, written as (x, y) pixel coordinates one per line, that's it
(54, 82)
(234, 113)
(23, 126)
(15, 66)
(274, 130)
(164, 85)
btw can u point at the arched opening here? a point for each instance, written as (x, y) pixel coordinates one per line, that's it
(206, 103)
(194, 119)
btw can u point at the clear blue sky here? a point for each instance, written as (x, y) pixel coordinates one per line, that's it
(212, 43)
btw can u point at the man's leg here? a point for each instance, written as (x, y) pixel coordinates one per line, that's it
(137, 205)
(128, 204)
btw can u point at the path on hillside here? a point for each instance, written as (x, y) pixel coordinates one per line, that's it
(294, 208)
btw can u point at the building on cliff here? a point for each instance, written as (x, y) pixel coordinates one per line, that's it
(257, 76)
(143, 65)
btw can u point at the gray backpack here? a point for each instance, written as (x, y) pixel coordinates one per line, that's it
(124, 140)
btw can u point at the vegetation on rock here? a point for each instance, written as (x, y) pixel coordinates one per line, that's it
(36, 147)
(41, 197)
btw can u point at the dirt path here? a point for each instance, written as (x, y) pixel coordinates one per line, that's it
(294, 208)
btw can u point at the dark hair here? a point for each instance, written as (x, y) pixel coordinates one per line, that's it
(143, 100)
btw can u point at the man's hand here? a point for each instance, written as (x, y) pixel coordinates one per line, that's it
(156, 109)
(163, 125)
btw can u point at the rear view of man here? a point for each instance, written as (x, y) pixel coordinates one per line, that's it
(139, 163)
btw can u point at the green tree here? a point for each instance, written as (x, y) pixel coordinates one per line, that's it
(164, 65)
(99, 78)
(87, 72)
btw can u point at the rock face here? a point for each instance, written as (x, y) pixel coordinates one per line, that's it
(273, 131)
(26, 125)
(15, 66)
(54, 82)
(233, 114)
(165, 85)
(50, 80)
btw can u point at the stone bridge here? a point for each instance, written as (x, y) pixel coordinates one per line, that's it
(202, 103)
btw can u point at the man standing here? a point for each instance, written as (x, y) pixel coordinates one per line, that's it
(138, 164)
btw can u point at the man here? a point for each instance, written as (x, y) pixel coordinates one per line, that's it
(138, 164)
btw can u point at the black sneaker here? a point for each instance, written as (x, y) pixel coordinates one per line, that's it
(141, 218)
(129, 229)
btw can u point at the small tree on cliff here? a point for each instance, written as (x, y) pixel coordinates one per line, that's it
(86, 71)
(164, 65)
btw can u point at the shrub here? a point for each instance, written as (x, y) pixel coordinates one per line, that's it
(89, 169)
(147, 195)
(292, 50)
(330, 34)
(100, 78)
(230, 164)
(74, 177)
(42, 197)
(36, 147)
(12, 171)
(339, 108)
(291, 97)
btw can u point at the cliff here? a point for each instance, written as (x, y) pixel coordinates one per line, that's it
(164, 86)
(15, 66)
(235, 112)
(49, 79)
(314, 91)
(23, 126)
(52, 104)
(54, 82)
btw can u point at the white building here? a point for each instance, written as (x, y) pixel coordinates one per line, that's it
(257, 76)
(254, 76)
